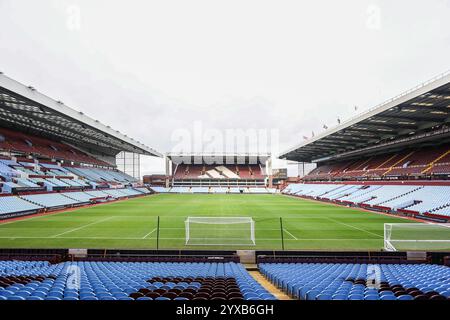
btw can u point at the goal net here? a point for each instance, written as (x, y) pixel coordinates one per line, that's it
(416, 237)
(220, 231)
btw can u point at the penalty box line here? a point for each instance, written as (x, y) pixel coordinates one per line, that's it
(353, 227)
(290, 234)
(82, 227)
(145, 237)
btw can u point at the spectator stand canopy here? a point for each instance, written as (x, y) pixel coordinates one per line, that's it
(418, 117)
(218, 169)
(218, 158)
(25, 109)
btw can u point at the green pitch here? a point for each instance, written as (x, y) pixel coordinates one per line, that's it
(132, 224)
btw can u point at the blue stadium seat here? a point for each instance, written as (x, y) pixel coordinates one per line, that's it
(388, 297)
(120, 281)
(324, 297)
(338, 281)
(340, 297)
(16, 298)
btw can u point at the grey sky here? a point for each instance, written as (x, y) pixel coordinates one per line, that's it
(148, 68)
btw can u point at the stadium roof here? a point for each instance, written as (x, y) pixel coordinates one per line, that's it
(218, 158)
(419, 114)
(24, 108)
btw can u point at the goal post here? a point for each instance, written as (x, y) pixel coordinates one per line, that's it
(220, 231)
(417, 236)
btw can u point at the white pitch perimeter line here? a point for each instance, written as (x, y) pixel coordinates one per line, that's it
(259, 229)
(145, 237)
(79, 228)
(285, 230)
(344, 224)
(442, 225)
(134, 238)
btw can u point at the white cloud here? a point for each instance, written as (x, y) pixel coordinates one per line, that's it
(148, 68)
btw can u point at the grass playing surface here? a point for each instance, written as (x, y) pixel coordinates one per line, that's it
(132, 224)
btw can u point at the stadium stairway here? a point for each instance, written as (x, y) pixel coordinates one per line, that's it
(431, 165)
(29, 201)
(401, 195)
(381, 166)
(398, 162)
(266, 284)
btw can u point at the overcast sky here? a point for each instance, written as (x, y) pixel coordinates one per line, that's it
(155, 69)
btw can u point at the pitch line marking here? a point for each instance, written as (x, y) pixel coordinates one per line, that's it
(145, 237)
(440, 224)
(344, 224)
(285, 230)
(79, 228)
(259, 229)
(134, 238)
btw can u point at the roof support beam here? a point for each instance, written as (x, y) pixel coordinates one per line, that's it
(409, 118)
(32, 118)
(343, 138)
(424, 108)
(358, 131)
(386, 126)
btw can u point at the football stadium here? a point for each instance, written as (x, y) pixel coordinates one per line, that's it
(378, 198)
(80, 221)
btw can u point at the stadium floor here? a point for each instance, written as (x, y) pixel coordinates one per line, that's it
(132, 224)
